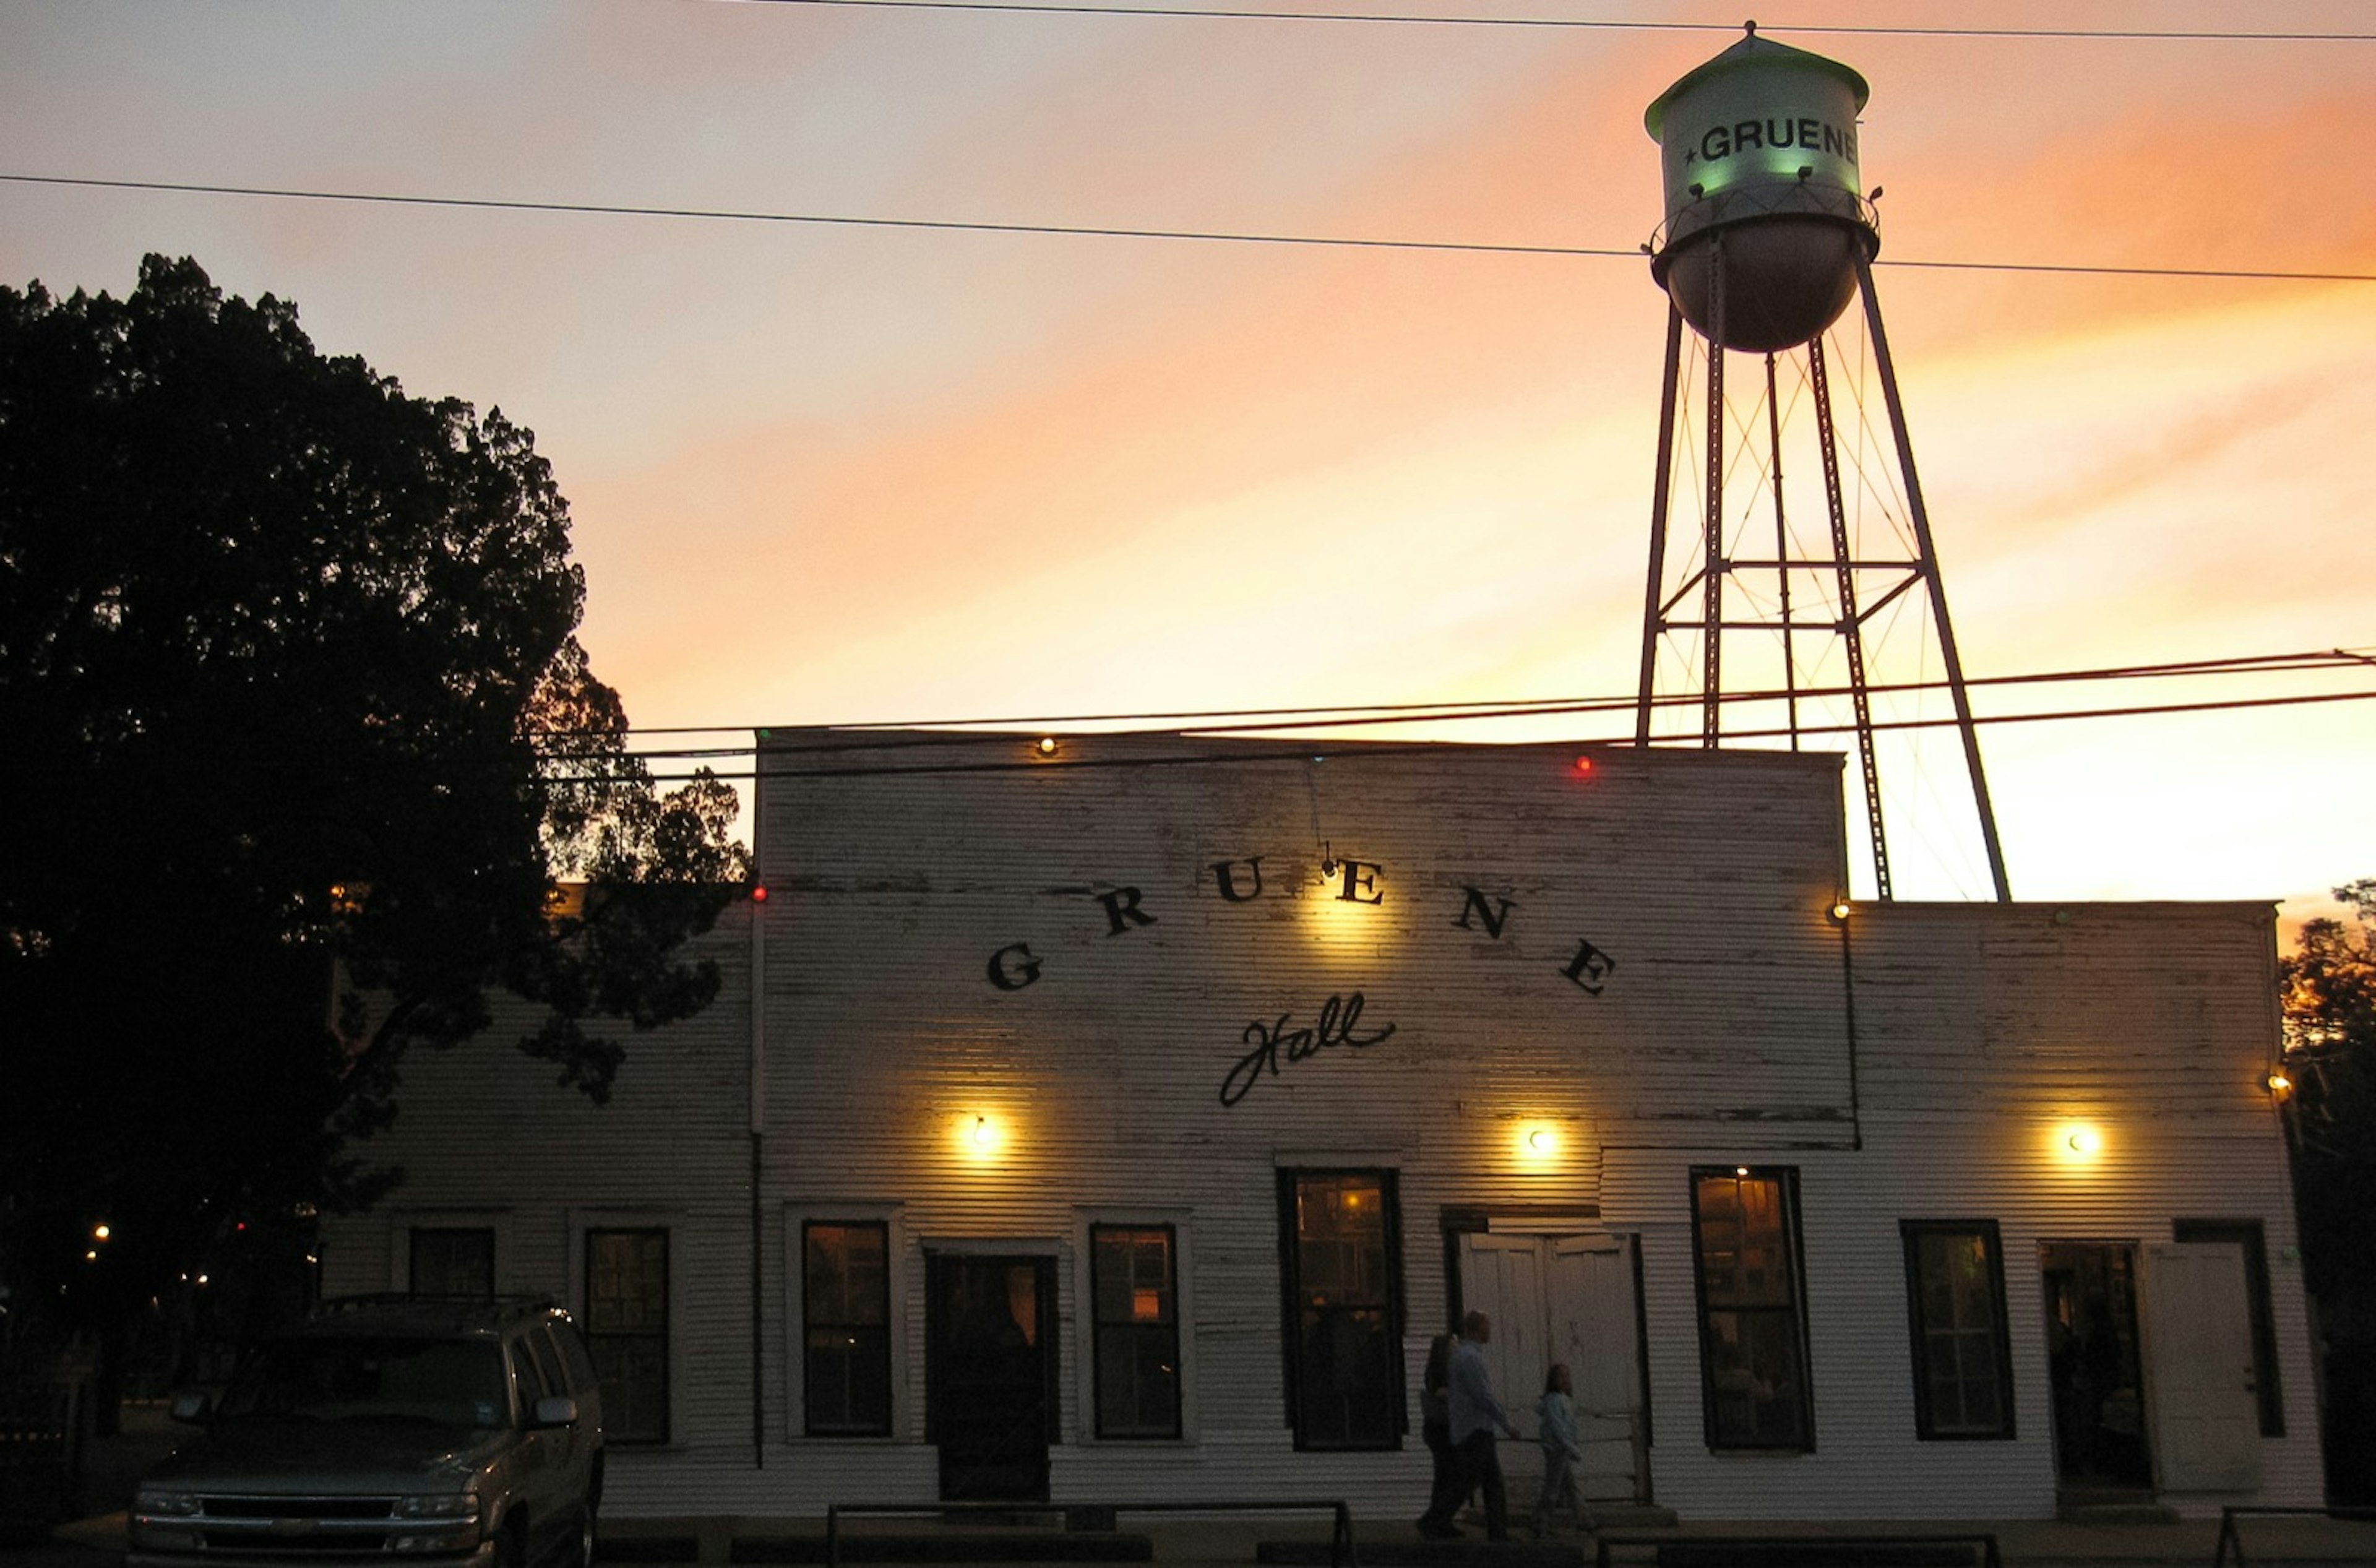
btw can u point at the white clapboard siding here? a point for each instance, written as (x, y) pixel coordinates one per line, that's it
(1739, 1024)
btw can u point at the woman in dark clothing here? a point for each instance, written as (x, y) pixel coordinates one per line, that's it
(1435, 1426)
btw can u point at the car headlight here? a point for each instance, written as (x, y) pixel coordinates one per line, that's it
(438, 1506)
(160, 1503)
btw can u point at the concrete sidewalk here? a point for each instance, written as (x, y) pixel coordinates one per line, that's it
(2292, 1543)
(1176, 1542)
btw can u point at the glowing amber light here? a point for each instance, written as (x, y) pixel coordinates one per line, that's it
(100, 1232)
(982, 1136)
(2081, 1142)
(2280, 1086)
(1840, 910)
(1047, 745)
(1537, 1141)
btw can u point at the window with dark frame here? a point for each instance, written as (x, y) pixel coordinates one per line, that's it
(626, 1331)
(845, 1323)
(454, 1263)
(1753, 1381)
(1341, 1265)
(1956, 1309)
(2249, 1235)
(1135, 1328)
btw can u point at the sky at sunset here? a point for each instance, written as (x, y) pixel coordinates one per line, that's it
(825, 473)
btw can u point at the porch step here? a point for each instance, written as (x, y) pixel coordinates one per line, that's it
(2138, 1513)
(950, 1546)
(1474, 1551)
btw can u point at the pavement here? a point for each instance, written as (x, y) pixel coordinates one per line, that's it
(2302, 1543)
(113, 1467)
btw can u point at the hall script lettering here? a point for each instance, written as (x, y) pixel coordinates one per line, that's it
(1016, 967)
(1337, 1025)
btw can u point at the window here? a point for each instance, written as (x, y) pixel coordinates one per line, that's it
(1136, 1330)
(453, 1263)
(1340, 1260)
(1956, 1305)
(626, 1330)
(1752, 1331)
(846, 1292)
(2247, 1234)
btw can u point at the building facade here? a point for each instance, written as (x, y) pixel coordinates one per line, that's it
(1118, 1117)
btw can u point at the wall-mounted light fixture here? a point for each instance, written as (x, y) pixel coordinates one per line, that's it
(981, 1135)
(2281, 1088)
(1538, 1142)
(1582, 766)
(1840, 911)
(758, 892)
(2078, 1143)
(1046, 746)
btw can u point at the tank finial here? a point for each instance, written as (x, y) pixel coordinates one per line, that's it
(1749, 26)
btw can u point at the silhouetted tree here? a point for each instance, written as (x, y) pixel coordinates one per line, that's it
(288, 689)
(2330, 1021)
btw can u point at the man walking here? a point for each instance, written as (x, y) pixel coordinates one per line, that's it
(1475, 1416)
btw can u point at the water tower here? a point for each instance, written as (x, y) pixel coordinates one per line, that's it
(1768, 238)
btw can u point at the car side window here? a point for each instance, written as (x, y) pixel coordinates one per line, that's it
(527, 1375)
(575, 1357)
(548, 1363)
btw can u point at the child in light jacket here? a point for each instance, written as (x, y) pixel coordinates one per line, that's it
(1555, 1417)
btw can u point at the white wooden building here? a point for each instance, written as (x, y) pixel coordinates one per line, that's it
(1121, 1120)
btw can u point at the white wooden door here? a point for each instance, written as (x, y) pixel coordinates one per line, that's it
(1593, 1329)
(1502, 1278)
(2199, 1378)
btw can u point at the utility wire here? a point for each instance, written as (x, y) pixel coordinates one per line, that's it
(1370, 749)
(605, 209)
(1399, 712)
(1585, 23)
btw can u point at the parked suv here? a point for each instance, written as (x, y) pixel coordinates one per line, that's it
(465, 1434)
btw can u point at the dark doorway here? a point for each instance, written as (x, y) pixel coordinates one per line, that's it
(990, 1374)
(2091, 1340)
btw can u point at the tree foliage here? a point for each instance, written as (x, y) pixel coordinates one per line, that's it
(2329, 1027)
(291, 690)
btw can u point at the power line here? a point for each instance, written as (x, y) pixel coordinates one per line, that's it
(603, 210)
(1593, 24)
(1390, 748)
(1499, 708)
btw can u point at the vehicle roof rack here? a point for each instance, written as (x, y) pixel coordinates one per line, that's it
(450, 1311)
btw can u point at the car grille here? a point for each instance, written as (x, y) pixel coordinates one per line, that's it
(297, 1507)
(298, 1526)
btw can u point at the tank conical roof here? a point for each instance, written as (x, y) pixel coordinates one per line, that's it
(1750, 52)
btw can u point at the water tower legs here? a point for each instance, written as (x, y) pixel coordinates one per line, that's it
(1929, 567)
(1774, 612)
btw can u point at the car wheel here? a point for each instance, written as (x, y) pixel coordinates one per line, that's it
(511, 1543)
(581, 1550)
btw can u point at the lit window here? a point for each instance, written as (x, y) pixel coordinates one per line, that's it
(1137, 1329)
(846, 1293)
(1341, 1244)
(1752, 1331)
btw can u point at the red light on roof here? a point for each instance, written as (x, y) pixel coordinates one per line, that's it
(759, 893)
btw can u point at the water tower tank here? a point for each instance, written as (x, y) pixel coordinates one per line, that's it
(1760, 150)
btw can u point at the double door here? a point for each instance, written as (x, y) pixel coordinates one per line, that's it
(1565, 1300)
